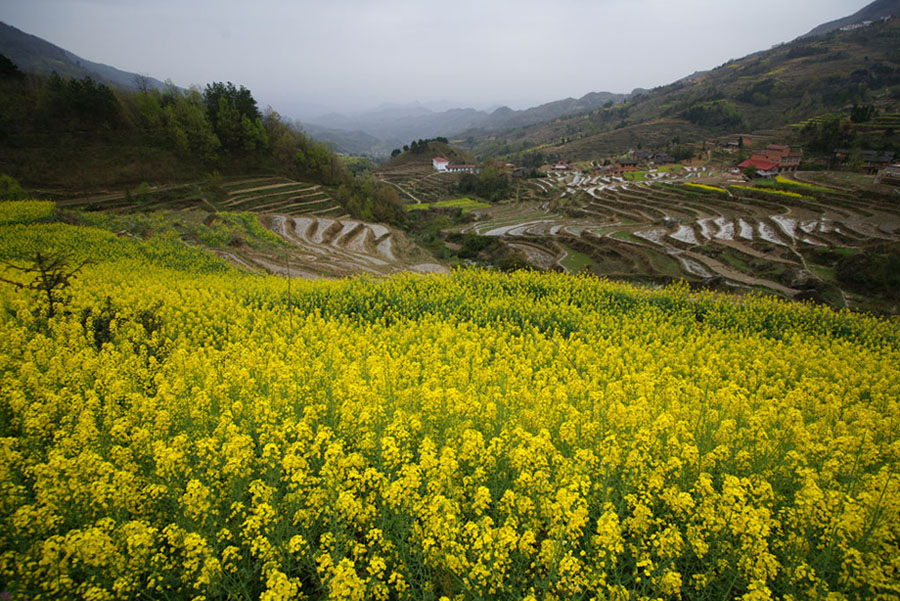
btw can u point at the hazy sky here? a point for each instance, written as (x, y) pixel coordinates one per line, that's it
(306, 58)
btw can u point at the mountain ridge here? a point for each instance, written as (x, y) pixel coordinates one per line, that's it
(787, 84)
(34, 54)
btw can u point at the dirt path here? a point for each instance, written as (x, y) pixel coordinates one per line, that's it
(728, 273)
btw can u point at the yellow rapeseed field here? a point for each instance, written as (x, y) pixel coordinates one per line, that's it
(181, 430)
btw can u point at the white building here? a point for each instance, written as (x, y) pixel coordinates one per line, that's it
(440, 163)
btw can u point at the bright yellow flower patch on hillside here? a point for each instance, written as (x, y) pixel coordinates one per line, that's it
(470, 436)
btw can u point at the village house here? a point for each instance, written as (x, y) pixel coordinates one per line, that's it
(763, 166)
(782, 156)
(443, 165)
(841, 154)
(561, 166)
(617, 169)
(774, 159)
(876, 160)
(889, 175)
(460, 168)
(873, 160)
(863, 24)
(505, 167)
(647, 156)
(735, 145)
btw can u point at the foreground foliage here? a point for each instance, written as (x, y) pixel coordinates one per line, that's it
(182, 430)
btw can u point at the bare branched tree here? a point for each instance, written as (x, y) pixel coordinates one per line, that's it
(51, 273)
(142, 83)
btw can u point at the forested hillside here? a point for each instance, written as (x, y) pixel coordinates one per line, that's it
(66, 135)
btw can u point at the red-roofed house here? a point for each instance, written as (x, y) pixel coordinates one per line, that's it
(764, 167)
(784, 159)
(440, 163)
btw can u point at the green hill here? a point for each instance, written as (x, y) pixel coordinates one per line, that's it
(421, 152)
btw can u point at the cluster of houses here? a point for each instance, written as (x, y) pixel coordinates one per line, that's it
(863, 24)
(773, 160)
(621, 166)
(873, 160)
(657, 158)
(617, 168)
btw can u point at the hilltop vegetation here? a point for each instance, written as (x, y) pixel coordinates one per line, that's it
(421, 152)
(179, 429)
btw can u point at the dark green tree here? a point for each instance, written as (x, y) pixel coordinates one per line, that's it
(9, 70)
(235, 118)
(240, 98)
(862, 114)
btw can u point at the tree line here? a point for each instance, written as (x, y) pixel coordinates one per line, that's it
(84, 133)
(418, 146)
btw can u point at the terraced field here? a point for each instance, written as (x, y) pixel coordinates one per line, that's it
(696, 224)
(259, 194)
(321, 241)
(420, 184)
(279, 195)
(339, 247)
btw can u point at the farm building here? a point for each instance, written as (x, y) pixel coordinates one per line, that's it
(439, 163)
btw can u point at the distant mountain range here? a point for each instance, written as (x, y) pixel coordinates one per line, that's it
(395, 126)
(373, 133)
(872, 12)
(33, 54)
